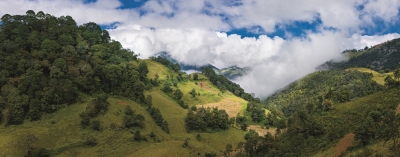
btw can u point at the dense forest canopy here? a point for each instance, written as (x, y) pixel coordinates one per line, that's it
(47, 62)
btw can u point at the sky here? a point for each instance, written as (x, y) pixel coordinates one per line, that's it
(280, 40)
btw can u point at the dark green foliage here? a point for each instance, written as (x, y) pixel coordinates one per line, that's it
(45, 61)
(96, 125)
(224, 84)
(182, 104)
(167, 87)
(185, 143)
(98, 105)
(385, 56)
(335, 85)
(137, 136)
(193, 93)
(85, 120)
(158, 118)
(259, 146)
(156, 114)
(90, 141)
(257, 113)
(43, 153)
(195, 76)
(131, 119)
(198, 137)
(152, 134)
(204, 119)
(210, 155)
(143, 71)
(178, 94)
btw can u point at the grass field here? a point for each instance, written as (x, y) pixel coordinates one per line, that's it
(378, 77)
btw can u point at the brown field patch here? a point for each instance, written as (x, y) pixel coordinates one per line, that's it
(398, 109)
(204, 85)
(344, 143)
(261, 131)
(230, 106)
(121, 103)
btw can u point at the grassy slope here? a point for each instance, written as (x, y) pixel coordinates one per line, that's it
(348, 115)
(65, 134)
(378, 77)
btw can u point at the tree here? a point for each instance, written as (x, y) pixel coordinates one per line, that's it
(327, 104)
(167, 87)
(396, 74)
(389, 81)
(137, 136)
(178, 94)
(143, 70)
(193, 93)
(85, 120)
(96, 125)
(195, 76)
(391, 121)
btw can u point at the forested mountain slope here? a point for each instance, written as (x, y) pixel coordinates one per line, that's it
(69, 90)
(321, 89)
(385, 56)
(48, 62)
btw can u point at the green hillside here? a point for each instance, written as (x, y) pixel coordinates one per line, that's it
(60, 133)
(69, 90)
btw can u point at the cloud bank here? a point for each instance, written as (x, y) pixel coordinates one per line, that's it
(193, 31)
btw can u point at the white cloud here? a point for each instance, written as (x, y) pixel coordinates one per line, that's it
(191, 31)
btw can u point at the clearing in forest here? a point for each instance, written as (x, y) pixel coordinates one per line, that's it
(230, 105)
(261, 131)
(204, 85)
(344, 143)
(377, 77)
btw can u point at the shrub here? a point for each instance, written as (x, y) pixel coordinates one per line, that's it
(90, 141)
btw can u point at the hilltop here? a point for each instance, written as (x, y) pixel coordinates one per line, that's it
(69, 90)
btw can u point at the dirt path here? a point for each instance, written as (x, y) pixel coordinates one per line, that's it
(343, 144)
(204, 85)
(261, 131)
(230, 106)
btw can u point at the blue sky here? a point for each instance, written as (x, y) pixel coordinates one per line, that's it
(294, 28)
(282, 39)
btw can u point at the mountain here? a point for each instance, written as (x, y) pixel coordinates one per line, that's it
(345, 109)
(381, 57)
(231, 73)
(68, 90)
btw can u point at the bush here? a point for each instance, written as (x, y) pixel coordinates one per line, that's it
(90, 141)
(182, 104)
(96, 125)
(43, 153)
(210, 155)
(137, 136)
(85, 120)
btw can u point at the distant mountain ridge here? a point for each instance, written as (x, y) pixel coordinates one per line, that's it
(231, 72)
(385, 56)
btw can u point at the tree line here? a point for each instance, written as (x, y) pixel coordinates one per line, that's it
(48, 62)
